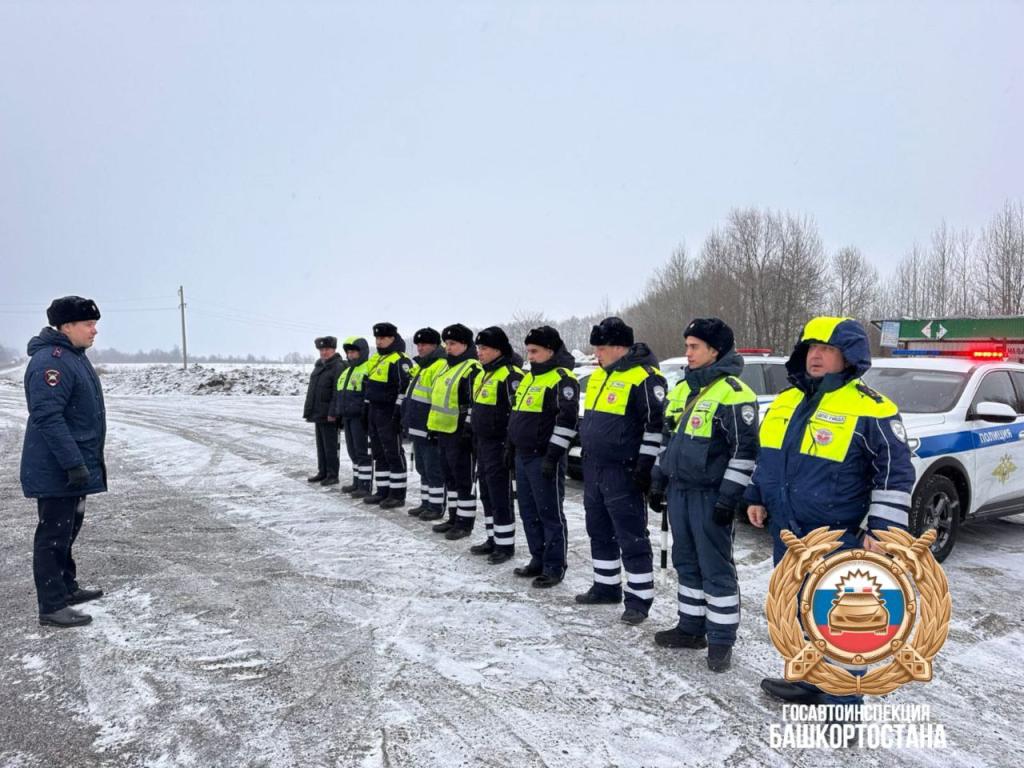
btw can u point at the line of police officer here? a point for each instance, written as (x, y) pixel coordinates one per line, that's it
(477, 420)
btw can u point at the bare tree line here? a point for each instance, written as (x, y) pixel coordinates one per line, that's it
(765, 273)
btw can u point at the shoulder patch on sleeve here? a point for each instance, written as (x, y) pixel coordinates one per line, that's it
(568, 392)
(51, 377)
(898, 429)
(736, 386)
(659, 393)
(748, 413)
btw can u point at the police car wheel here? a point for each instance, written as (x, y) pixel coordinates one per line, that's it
(936, 505)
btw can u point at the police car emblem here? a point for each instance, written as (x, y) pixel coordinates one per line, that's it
(823, 436)
(747, 414)
(568, 393)
(659, 393)
(52, 377)
(899, 430)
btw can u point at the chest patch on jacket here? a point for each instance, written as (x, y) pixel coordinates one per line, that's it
(823, 436)
(831, 418)
(52, 377)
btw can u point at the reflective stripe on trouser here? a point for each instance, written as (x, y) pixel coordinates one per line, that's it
(388, 456)
(617, 526)
(496, 493)
(358, 447)
(457, 467)
(540, 512)
(850, 540)
(428, 466)
(709, 600)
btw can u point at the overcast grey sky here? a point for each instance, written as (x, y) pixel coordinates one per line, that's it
(323, 166)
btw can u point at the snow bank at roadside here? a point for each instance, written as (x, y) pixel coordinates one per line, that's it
(203, 380)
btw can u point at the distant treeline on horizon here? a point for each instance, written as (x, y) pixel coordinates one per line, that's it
(173, 355)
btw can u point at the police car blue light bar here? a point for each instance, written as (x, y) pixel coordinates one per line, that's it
(979, 353)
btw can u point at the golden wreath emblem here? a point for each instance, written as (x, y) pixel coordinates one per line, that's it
(858, 608)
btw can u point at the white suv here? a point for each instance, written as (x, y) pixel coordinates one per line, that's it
(965, 428)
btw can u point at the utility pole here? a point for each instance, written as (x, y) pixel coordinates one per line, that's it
(184, 344)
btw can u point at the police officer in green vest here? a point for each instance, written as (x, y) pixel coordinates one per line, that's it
(450, 400)
(493, 395)
(621, 438)
(542, 424)
(707, 464)
(833, 453)
(349, 408)
(387, 379)
(429, 362)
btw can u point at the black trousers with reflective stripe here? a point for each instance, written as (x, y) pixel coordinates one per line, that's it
(496, 490)
(388, 456)
(358, 447)
(457, 467)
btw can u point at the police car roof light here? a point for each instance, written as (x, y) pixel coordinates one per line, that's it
(753, 351)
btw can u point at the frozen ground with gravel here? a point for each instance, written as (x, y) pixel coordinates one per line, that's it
(254, 620)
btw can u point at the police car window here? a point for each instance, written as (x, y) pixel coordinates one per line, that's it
(583, 384)
(753, 376)
(1018, 379)
(918, 390)
(996, 387)
(777, 378)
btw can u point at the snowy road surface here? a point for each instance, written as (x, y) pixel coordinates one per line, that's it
(253, 620)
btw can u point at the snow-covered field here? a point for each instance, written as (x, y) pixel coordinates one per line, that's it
(254, 620)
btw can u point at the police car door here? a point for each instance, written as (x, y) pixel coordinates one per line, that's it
(998, 446)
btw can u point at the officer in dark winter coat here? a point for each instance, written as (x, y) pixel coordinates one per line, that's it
(708, 462)
(542, 424)
(320, 395)
(493, 394)
(621, 437)
(450, 399)
(428, 364)
(387, 380)
(349, 409)
(62, 457)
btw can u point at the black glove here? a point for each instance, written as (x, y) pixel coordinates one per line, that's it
(723, 513)
(642, 477)
(509, 456)
(656, 501)
(547, 468)
(78, 477)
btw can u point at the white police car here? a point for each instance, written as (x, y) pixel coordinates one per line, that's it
(964, 419)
